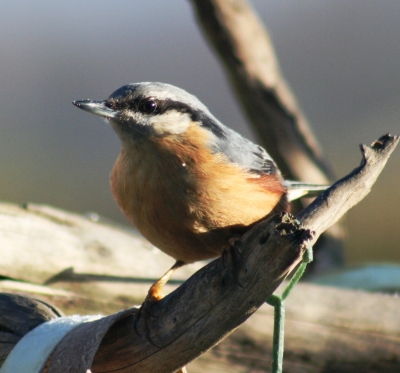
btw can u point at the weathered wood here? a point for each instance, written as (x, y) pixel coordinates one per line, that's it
(89, 248)
(224, 294)
(165, 339)
(327, 330)
(234, 292)
(18, 316)
(351, 189)
(221, 296)
(44, 245)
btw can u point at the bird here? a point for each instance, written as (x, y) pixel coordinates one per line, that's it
(184, 180)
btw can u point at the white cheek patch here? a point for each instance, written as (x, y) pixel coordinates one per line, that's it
(170, 123)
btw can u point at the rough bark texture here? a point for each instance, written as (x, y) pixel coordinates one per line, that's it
(325, 333)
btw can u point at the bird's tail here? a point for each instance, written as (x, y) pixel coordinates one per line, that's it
(298, 189)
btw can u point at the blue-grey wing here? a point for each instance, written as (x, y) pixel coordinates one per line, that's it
(253, 158)
(239, 150)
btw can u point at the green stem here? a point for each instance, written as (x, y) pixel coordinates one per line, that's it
(278, 302)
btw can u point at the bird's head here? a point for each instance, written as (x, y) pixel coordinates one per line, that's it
(141, 110)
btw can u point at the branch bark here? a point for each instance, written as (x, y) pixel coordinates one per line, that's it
(219, 297)
(236, 285)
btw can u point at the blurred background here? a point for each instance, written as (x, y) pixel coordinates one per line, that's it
(342, 59)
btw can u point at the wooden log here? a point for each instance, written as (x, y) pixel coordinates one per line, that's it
(277, 245)
(18, 316)
(44, 245)
(327, 330)
(235, 286)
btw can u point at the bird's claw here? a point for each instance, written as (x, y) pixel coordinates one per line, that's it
(144, 313)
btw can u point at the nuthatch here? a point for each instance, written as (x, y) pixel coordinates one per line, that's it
(183, 179)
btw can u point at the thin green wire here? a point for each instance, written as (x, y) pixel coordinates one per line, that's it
(278, 302)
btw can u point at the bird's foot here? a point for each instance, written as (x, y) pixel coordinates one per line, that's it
(144, 312)
(153, 296)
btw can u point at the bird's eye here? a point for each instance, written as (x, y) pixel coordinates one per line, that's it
(148, 106)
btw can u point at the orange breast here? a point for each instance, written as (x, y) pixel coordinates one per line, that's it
(186, 200)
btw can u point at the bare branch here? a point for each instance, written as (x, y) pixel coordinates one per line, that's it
(222, 295)
(213, 302)
(331, 205)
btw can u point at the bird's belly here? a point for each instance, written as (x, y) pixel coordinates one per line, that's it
(189, 214)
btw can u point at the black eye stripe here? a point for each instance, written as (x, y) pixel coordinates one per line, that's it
(151, 105)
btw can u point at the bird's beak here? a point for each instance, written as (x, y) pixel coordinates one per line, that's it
(96, 107)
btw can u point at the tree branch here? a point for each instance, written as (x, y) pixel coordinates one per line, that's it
(211, 303)
(332, 204)
(222, 295)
